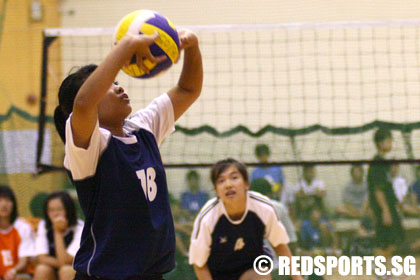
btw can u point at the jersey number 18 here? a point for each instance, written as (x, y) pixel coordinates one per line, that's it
(147, 179)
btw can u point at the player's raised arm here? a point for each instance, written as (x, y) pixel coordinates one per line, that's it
(85, 108)
(190, 82)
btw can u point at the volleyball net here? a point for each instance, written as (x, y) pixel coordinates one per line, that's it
(313, 92)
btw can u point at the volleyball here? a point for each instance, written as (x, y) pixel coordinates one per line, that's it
(148, 22)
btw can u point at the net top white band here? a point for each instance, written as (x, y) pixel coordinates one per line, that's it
(54, 32)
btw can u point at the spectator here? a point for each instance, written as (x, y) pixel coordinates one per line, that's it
(382, 199)
(194, 198)
(407, 196)
(273, 174)
(399, 183)
(355, 195)
(58, 238)
(229, 231)
(16, 239)
(415, 188)
(310, 193)
(316, 234)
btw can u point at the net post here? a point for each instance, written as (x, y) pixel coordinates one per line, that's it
(46, 42)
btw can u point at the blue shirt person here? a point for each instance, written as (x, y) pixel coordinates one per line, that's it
(273, 174)
(193, 199)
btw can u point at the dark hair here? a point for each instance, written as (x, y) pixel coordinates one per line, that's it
(381, 134)
(66, 95)
(6, 191)
(307, 166)
(192, 174)
(68, 204)
(354, 166)
(261, 185)
(262, 149)
(222, 165)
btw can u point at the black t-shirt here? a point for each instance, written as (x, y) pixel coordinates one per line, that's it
(379, 178)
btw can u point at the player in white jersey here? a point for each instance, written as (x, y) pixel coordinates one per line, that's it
(229, 230)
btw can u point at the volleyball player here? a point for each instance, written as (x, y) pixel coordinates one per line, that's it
(115, 162)
(229, 231)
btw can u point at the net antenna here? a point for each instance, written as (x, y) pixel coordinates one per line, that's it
(314, 92)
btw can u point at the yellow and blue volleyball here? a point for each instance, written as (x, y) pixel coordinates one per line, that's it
(148, 22)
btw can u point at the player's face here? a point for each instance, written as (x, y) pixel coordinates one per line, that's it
(263, 158)
(395, 169)
(357, 174)
(386, 145)
(6, 205)
(115, 106)
(309, 174)
(56, 209)
(231, 186)
(315, 217)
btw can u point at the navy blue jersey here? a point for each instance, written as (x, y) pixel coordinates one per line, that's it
(129, 229)
(228, 246)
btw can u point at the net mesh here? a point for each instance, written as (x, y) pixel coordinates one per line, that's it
(311, 91)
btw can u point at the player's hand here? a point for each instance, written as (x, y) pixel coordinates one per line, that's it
(142, 50)
(187, 39)
(60, 224)
(386, 218)
(10, 274)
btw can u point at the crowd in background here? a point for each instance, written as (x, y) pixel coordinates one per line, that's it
(43, 247)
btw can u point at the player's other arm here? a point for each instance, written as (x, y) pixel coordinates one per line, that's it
(190, 82)
(202, 273)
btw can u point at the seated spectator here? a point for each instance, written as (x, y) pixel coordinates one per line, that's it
(399, 183)
(415, 186)
(58, 238)
(355, 195)
(16, 239)
(194, 198)
(407, 205)
(412, 208)
(316, 234)
(310, 193)
(273, 174)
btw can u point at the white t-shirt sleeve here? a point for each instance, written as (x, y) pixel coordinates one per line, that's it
(274, 230)
(200, 243)
(75, 243)
(27, 242)
(82, 162)
(157, 117)
(41, 241)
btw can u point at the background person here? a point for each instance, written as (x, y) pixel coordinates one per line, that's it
(58, 238)
(16, 239)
